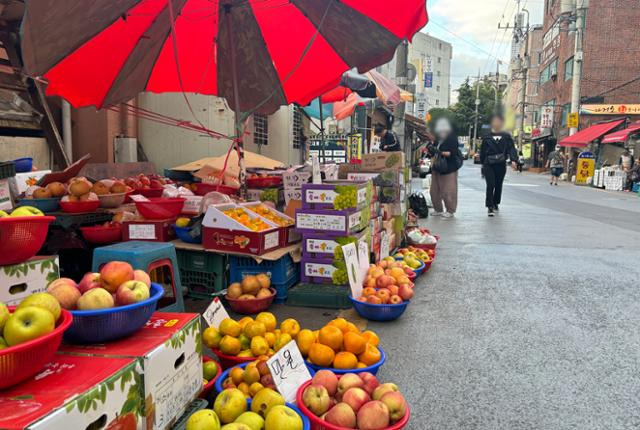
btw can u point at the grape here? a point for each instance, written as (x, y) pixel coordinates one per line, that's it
(340, 277)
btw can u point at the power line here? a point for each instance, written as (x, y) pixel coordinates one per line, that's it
(463, 39)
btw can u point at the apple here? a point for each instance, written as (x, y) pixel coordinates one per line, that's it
(3, 214)
(327, 379)
(356, 398)
(79, 187)
(341, 415)
(373, 416)
(383, 389)
(349, 380)
(115, 273)
(44, 301)
(28, 323)
(406, 293)
(100, 188)
(204, 419)
(252, 420)
(395, 299)
(229, 405)
(282, 417)
(26, 211)
(4, 315)
(396, 404)
(142, 276)
(66, 292)
(156, 184)
(144, 180)
(57, 189)
(89, 281)
(96, 298)
(370, 382)
(42, 193)
(132, 292)
(316, 398)
(118, 187)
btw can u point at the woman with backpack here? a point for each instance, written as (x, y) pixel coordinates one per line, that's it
(445, 162)
(496, 147)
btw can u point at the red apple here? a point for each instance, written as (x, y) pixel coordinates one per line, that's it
(114, 274)
(395, 299)
(144, 180)
(341, 415)
(327, 379)
(383, 389)
(316, 398)
(373, 416)
(349, 380)
(89, 281)
(370, 382)
(396, 404)
(142, 276)
(155, 184)
(65, 291)
(132, 292)
(356, 398)
(405, 292)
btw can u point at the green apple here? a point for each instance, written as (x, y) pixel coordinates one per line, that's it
(252, 420)
(26, 211)
(230, 404)
(28, 323)
(4, 315)
(204, 419)
(282, 417)
(96, 298)
(44, 301)
(3, 214)
(209, 370)
(3, 343)
(236, 426)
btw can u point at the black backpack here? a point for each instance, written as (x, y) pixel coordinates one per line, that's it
(418, 205)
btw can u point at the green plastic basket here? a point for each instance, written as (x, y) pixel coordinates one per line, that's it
(319, 296)
(202, 273)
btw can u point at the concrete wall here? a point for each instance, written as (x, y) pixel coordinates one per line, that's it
(93, 133)
(12, 147)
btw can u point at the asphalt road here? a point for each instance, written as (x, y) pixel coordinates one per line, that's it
(529, 320)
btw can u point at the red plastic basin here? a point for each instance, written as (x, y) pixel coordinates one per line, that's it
(160, 208)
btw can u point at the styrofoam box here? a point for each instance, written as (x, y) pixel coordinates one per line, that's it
(17, 281)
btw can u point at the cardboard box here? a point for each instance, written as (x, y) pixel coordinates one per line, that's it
(385, 178)
(25, 180)
(149, 230)
(275, 195)
(289, 234)
(389, 210)
(192, 205)
(77, 392)
(168, 350)
(325, 195)
(18, 281)
(295, 179)
(329, 221)
(292, 194)
(323, 245)
(379, 161)
(318, 271)
(388, 225)
(222, 233)
(6, 201)
(375, 224)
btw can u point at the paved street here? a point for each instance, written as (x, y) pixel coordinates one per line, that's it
(528, 320)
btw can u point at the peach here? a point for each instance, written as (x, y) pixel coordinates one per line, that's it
(57, 189)
(373, 416)
(341, 415)
(406, 293)
(370, 282)
(396, 404)
(369, 291)
(327, 379)
(142, 276)
(370, 382)
(66, 292)
(374, 300)
(114, 274)
(393, 289)
(89, 281)
(349, 380)
(383, 389)
(356, 398)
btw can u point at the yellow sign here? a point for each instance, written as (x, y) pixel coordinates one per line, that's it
(573, 120)
(585, 169)
(633, 109)
(526, 151)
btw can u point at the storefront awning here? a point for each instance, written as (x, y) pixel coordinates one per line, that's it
(622, 135)
(583, 137)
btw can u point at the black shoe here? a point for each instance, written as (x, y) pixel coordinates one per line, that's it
(496, 208)
(490, 212)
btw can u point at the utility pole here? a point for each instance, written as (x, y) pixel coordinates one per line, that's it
(475, 128)
(401, 80)
(524, 69)
(580, 11)
(497, 100)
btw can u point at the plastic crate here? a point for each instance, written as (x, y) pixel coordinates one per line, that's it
(201, 261)
(282, 290)
(7, 169)
(67, 221)
(636, 187)
(319, 296)
(202, 273)
(194, 406)
(281, 271)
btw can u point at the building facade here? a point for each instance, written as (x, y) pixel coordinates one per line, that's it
(431, 58)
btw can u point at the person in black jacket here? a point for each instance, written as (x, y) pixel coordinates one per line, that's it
(388, 139)
(444, 182)
(496, 147)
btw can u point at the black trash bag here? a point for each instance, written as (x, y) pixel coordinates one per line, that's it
(418, 205)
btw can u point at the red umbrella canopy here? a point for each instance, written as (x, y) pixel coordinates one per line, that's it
(102, 52)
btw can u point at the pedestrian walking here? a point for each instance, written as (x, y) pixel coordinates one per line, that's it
(388, 139)
(520, 161)
(446, 160)
(556, 163)
(497, 146)
(626, 163)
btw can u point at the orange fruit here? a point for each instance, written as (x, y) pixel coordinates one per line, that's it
(271, 338)
(371, 337)
(354, 343)
(341, 323)
(351, 327)
(331, 336)
(268, 319)
(361, 365)
(290, 326)
(321, 355)
(370, 356)
(345, 360)
(304, 340)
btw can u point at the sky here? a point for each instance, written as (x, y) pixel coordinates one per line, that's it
(471, 26)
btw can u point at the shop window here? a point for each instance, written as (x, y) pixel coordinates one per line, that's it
(565, 112)
(260, 129)
(568, 69)
(553, 68)
(544, 75)
(437, 102)
(439, 60)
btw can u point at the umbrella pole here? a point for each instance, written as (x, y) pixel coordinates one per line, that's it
(321, 128)
(236, 102)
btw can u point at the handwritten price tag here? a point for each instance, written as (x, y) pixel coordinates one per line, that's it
(315, 168)
(288, 371)
(353, 268)
(384, 245)
(363, 258)
(215, 313)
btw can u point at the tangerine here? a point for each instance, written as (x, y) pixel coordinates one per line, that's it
(321, 355)
(370, 356)
(331, 336)
(371, 337)
(345, 360)
(341, 323)
(354, 343)
(304, 340)
(268, 319)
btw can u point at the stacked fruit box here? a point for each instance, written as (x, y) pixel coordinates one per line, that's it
(333, 214)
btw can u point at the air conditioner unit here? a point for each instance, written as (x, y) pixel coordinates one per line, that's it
(126, 149)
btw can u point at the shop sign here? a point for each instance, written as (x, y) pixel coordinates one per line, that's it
(585, 168)
(428, 79)
(546, 117)
(573, 120)
(611, 109)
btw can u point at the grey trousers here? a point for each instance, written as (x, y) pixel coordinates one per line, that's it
(444, 189)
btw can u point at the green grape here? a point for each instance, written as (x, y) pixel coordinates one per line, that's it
(337, 253)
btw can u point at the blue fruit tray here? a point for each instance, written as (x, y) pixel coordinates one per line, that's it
(184, 235)
(23, 165)
(45, 205)
(281, 271)
(104, 325)
(382, 312)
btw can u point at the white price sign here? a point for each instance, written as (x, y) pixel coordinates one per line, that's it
(215, 313)
(363, 258)
(353, 268)
(384, 245)
(315, 167)
(288, 370)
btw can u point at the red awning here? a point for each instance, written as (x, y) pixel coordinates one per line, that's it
(622, 135)
(583, 137)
